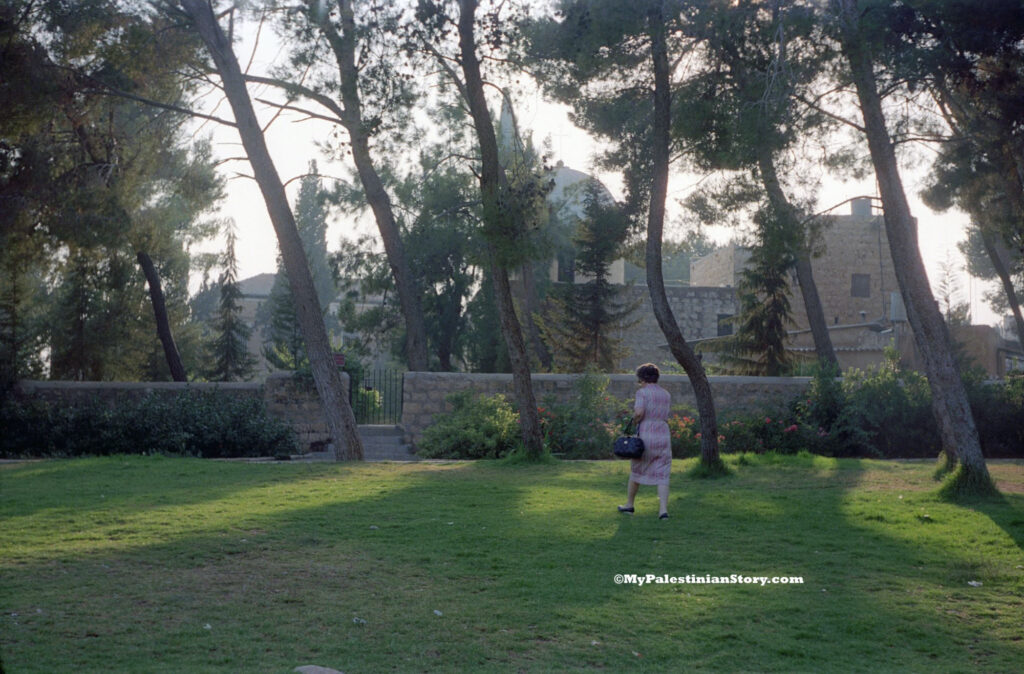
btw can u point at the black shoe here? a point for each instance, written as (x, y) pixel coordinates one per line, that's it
(663, 516)
(624, 509)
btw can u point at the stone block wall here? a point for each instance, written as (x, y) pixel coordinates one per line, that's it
(696, 310)
(424, 393)
(72, 393)
(851, 245)
(720, 268)
(847, 245)
(296, 401)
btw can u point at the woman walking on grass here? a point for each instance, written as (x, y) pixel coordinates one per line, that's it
(651, 413)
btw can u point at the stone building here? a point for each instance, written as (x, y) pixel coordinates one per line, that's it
(701, 313)
(860, 296)
(256, 292)
(854, 274)
(856, 284)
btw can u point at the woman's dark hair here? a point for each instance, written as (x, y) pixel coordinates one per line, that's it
(648, 373)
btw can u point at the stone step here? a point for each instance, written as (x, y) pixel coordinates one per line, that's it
(385, 443)
(380, 443)
(379, 453)
(379, 430)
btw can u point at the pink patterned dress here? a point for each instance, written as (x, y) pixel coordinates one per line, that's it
(654, 466)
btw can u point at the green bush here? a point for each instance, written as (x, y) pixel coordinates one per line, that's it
(201, 424)
(827, 422)
(893, 408)
(366, 405)
(586, 426)
(478, 427)
(999, 415)
(886, 411)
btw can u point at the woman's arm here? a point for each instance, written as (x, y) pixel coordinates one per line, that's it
(638, 409)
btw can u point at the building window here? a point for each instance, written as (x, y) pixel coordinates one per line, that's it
(860, 285)
(724, 325)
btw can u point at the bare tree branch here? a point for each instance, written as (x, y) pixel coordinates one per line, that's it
(306, 92)
(112, 91)
(839, 118)
(442, 61)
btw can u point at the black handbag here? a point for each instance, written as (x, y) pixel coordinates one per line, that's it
(628, 446)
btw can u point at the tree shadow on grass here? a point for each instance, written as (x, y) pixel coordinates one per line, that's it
(520, 562)
(1006, 512)
(100, 483)
(873, 587)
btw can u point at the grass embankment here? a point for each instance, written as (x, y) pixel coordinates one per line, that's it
(182, 565)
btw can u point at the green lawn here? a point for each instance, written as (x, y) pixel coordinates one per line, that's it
(151, 564)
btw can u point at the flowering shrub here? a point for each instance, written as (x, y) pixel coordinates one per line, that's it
(886, 411)
(835, 424)
(685, 432)
(760, 433)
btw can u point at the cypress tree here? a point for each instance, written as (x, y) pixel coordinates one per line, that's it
(230, 348)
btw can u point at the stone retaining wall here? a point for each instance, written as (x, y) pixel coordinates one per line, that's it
(295, 400)
(424, 393)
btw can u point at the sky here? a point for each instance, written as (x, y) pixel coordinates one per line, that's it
(292, 143)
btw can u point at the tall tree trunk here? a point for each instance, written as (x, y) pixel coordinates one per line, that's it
(492, 179)
(682, 352)
(804, 274)
(163, 325)
(949, 398)
(341, 422)
(343, 44)
(997, 254)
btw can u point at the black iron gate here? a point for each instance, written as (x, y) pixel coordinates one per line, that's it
(376, 397)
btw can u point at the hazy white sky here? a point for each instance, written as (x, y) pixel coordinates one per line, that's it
(292, 145)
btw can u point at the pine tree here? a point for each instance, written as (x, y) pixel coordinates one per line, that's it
(22, 293)
(311, 219)
(341, 421)
(759, 345)
(865, 38)
(284, 346)
(580, 324)
(230, 348)
(87, 180)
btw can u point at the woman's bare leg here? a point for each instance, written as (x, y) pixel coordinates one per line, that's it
(662, 498)
(631, 490)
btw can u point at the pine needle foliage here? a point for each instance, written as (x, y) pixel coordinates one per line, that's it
(230, 348)
(759, 345)
(582, 318)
